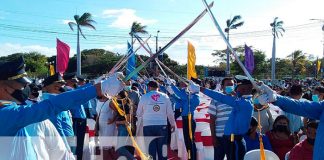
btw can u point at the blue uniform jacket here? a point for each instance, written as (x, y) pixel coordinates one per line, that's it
(313, 110)
(61, 121)
(176, 101)
(13, 118)
(184, 101)
(239, 121)
(79, 111)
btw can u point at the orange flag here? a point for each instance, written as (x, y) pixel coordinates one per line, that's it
(191, 70)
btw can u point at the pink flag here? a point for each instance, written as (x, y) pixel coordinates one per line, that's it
(62, 58)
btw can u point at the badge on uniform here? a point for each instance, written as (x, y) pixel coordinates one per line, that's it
(156, 108)
(155, 97)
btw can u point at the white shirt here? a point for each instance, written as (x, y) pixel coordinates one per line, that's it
(47, 142)
(155, 108)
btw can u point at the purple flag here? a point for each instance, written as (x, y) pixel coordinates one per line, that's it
(249, 59)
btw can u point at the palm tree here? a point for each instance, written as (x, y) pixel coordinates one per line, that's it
(276, 28)
(137, 27)
(84, 21)
(231, 24)
(298, 59)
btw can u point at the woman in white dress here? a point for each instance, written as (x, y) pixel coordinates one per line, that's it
(107, 128)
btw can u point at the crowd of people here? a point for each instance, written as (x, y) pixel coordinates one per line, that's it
(47, 119)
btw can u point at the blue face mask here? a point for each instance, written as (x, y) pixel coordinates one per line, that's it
(315, 98)
(127, 88)
(229, 89)
(256, 101)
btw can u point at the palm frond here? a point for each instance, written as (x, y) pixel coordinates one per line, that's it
(235, 18)
(71, 25)
(88, 25)
(228, 23)
(234, 26)
(85, 16)
(81, 33)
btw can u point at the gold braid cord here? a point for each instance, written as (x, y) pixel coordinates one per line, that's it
(122, 113)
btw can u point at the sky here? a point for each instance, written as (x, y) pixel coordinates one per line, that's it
(34, 25)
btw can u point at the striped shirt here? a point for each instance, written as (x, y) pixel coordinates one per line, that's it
(221, 112)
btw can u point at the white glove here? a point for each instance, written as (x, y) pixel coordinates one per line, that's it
(113, 85)
(193, 87)
(269, 95)
(263, 99)
(170, 90)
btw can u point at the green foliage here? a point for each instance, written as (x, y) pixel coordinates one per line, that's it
(297, 64)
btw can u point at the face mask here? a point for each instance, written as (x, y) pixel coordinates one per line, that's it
(20, 95)
(127, 88)
(311, 141)
(315, 98)
(256, 101)
(229, 89)
(281, 128)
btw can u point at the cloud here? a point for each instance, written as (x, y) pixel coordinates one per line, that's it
(10, 48)
(123, 18)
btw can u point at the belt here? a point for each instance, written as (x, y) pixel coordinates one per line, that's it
(236, 137)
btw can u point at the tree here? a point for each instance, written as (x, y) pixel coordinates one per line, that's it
(84, 21)
(137, 27)
(276, 28)
(231, 24)
(298, 59)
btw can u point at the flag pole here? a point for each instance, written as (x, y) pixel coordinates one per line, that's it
(230, 46)
(169, 44)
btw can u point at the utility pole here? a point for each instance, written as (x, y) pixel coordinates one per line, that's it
(322, 61)
(156, 41)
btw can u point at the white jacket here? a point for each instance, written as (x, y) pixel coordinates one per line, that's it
(155, 108)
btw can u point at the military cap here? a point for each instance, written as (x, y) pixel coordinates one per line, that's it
(56, 78)
(70, 76)
(14, 70)
(242, 80)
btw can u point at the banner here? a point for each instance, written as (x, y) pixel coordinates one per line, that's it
(51, 69)
(131, 63)
(191, 70)
(62, 58)
(249, 59)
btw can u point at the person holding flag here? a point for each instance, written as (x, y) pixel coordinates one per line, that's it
(238, 122)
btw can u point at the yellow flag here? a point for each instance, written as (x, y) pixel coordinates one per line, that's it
(52, 72)
(191, 70)
(318, 65)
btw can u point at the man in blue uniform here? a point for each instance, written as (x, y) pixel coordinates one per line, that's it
(15, 115)
(52, 86)
(239, 121)
(79, 117)
(188, 104)
(313, 110)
